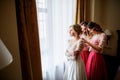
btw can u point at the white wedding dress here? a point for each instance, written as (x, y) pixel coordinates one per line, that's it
(75, 68)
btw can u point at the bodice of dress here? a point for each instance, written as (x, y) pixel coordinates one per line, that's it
(74, 46)
(99, 40)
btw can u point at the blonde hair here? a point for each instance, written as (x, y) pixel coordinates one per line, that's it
(77, 28)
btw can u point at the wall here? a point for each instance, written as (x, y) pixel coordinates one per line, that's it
(106, 13)
(8, 33)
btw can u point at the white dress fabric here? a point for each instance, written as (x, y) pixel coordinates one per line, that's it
(75, 69)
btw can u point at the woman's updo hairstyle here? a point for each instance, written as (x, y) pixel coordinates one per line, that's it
(95, 26)
(77, 28)
(84, 23)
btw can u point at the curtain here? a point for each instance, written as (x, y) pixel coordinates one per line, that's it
(82, 12)
(54, 35)
(28, 39)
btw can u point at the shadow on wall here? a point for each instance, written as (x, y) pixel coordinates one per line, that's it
(113, 62)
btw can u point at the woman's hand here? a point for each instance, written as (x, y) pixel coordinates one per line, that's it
(85, 41)
(76, 54)
(93, 45)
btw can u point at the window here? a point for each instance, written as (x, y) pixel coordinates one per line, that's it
(54, 19)
(42, 15)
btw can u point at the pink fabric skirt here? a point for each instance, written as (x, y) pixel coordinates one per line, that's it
(96, 67)
(84, 56)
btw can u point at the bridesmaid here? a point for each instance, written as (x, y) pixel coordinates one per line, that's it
(85, 34)
(95, 66)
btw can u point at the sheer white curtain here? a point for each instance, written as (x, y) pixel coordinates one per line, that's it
(54, 19)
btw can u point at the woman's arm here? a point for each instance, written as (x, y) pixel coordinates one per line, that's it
(69, 52)
(96, 47)
(101, 44)
(79, 47)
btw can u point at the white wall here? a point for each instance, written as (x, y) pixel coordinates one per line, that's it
(8, 33)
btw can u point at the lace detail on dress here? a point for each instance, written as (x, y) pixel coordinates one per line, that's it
(99, 40)
(74, 46)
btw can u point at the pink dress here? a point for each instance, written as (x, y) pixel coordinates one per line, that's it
(84, 54)
(95, 66)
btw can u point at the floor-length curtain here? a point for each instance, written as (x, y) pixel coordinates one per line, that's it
(82, 12)
(53, 36)
(28, 39)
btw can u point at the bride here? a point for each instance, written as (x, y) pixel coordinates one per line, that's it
(75, 69)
